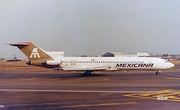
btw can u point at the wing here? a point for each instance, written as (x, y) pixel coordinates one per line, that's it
(85, 68)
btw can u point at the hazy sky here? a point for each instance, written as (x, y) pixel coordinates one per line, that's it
(91, 27)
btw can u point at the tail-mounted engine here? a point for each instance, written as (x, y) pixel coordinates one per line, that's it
(46, 63)
(52, 62)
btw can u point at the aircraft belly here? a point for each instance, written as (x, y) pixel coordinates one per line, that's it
(85, 68)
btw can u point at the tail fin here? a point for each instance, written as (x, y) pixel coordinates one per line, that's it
(32, 51)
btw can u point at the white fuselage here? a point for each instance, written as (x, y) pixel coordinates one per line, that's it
(112, 63)
(39, 57)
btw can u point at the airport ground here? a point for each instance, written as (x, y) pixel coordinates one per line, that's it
(24, 87)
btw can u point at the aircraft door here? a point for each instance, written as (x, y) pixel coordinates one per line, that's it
(66, 62)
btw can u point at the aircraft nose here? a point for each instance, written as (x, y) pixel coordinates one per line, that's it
(170, 65)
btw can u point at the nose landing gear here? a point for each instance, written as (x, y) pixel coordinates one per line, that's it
(158, 72)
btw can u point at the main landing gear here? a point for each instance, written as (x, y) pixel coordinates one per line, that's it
(158, 72)
(87, 73)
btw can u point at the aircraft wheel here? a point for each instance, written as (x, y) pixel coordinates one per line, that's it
(157, 73)
(87, 73)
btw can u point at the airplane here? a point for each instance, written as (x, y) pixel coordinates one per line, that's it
(39, 57)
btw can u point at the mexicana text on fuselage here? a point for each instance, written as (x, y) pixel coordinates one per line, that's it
(134, 65)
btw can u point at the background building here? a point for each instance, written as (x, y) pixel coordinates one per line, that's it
(120, 54)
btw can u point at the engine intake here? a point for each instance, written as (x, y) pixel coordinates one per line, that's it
(52, 62)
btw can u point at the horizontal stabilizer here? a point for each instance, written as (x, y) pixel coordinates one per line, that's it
(21, 44)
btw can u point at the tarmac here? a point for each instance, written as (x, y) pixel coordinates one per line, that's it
(34, 88)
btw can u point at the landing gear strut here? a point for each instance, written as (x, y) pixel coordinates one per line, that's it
(158, 72)
(87, 73)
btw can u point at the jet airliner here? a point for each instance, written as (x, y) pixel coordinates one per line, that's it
(39, 57)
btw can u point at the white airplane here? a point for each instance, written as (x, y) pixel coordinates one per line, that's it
(39, 57)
